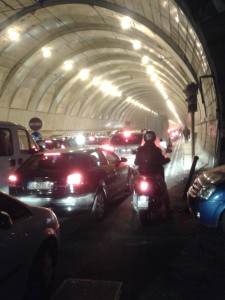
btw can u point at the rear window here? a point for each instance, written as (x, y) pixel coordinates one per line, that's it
(120, 139)
(56, 162)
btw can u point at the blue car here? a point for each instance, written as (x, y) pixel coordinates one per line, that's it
(206, 197)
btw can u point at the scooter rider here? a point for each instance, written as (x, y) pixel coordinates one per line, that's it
(150, 161)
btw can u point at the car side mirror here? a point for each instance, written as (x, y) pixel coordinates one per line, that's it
(5, 220)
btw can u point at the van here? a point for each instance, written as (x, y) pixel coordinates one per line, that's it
(16, 145)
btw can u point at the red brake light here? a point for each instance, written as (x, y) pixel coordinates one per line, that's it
(74, 179)
(144, 186)
(12, 179)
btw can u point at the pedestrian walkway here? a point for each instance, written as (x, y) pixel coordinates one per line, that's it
(181, 162)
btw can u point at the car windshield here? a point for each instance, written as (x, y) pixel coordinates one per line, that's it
(120, 139)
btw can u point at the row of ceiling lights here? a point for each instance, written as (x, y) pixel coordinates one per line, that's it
(106, 86)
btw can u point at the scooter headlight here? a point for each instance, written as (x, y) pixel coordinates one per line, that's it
(206, 191)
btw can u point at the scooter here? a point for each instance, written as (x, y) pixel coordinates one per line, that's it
(147, 197)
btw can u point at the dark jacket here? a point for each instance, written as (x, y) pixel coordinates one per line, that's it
(150, 160)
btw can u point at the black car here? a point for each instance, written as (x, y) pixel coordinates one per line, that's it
(72, 180)
(125, 143)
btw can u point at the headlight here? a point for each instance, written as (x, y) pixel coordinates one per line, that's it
(206, 192)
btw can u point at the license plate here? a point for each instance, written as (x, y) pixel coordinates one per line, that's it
(142, 202)
(39, 185)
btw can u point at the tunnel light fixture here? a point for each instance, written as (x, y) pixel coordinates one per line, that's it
(165, 3)
(170, 104)
(46, 52)
(126, 23)
(13, 34)
(136, 44)
(177, 18)
(172, 122)
(106, 86)
(172, 108)
(154, 77)
(139, 105)
(84, 74)
(68, 65)
(145, 60)
(96, 81)
(150, 70)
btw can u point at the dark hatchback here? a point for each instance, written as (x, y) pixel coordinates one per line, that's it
(72, 180)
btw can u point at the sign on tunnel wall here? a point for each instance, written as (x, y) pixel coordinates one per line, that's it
(35, 124)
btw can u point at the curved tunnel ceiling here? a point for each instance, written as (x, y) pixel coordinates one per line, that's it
(89, 36)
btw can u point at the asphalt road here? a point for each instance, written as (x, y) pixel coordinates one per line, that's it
(175, 259)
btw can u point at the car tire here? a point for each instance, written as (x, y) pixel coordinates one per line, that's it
(42, 271)
(100, 206)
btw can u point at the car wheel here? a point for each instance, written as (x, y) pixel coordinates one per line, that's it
(41, 275)
(100, 206)
(130, 183)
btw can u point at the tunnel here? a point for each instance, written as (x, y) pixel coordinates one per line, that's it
(105, 65)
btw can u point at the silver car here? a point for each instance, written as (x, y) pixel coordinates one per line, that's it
(29, 243)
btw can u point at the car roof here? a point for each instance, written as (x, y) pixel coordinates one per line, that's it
(84, 149)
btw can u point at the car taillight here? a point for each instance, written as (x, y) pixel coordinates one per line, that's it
(74, 179)
(143, 186)
(12, 179)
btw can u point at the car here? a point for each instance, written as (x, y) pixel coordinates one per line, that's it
(56, 144)
(125, 143)
(73, 180)
(29, 245)
(206, 197)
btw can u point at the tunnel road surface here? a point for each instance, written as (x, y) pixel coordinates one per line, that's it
(170, 259)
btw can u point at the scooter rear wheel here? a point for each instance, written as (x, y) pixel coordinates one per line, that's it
(145, 217)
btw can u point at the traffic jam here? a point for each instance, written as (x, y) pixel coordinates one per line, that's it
(45, 179)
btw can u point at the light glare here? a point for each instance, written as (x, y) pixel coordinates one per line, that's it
(13, 34)
(126, 23)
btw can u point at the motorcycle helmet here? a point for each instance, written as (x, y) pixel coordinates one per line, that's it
(149, 136)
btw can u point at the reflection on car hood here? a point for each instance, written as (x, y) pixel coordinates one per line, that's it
(213, 176)
(46, 216)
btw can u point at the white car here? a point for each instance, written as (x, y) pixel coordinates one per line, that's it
(29, 243)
